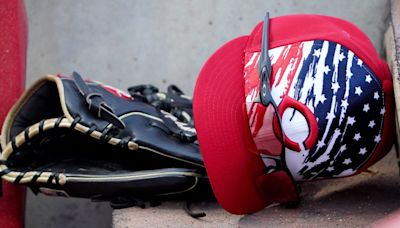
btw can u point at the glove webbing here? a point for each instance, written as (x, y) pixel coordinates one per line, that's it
(174, 101)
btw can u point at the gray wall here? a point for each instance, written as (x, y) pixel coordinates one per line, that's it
(124, 43)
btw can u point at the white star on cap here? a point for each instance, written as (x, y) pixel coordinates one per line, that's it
(347, 161)
(363, 151)
(335, 86)
(368, 78)
(321, 99)
(377, 138)
(371, 124)
(343, 148)
(357, 136)
(359, 62)
(344, 103)
(376, 95)
(341, 56)
(382, 111)
(366, 107)
(317, 52)
(326, 69)
(330, 116)
(358, 91)
(349, 74)
(330, 169)
(320, 144)
(351, 120)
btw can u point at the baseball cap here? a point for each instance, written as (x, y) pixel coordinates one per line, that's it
(325, 109)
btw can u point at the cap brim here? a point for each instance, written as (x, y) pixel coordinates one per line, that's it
(221, 122)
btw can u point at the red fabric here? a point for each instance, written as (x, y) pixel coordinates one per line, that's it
(222, 133)
(13, 42)
(282, 191)
(234, 168)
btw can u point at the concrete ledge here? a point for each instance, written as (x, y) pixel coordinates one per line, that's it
(392, 48)
(171, 214)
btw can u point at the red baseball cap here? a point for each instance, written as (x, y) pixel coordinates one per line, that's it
(332, 114)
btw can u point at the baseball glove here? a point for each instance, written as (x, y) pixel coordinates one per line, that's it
(69, 137)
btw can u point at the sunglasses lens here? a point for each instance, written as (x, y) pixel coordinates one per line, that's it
(266, 129)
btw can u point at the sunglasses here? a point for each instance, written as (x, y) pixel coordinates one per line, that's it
(272, 141)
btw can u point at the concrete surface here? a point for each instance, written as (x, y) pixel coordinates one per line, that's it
(46, 211)
(392, 48)
(124, 43)
(357, 201)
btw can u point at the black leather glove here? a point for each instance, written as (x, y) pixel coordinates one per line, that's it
(74, 138)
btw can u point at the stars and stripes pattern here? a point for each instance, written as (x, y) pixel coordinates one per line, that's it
(353, 111)
(343, 93)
